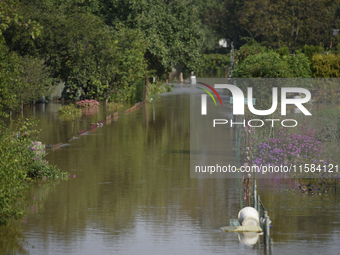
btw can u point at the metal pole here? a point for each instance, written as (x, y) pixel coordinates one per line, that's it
(267, 229)
(238, 134)
(258, 205)
(239, 188)
(255, 195)
(231, 60)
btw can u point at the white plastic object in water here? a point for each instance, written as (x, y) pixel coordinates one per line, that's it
(192, 79)
(248, 216)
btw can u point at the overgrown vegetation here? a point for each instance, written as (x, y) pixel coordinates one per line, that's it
(326, 66)
(254, 60)
(114, 105)
(277, 24)
(314, 144)
(214, 65)
(109, 47)
(69, 112)
(20, 163)
(156, 88)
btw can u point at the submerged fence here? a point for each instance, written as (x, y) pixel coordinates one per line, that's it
(100, 123)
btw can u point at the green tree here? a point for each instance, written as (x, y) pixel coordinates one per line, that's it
(221, 19)
(291, 23)
(22, 79)
(171, 30)
(8, 16)
(9, 80)
(81, 50)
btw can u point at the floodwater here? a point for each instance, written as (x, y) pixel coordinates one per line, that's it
(132, 193)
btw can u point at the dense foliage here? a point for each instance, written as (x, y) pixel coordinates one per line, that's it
(270, 64)
(274, 23)
(170, 28)
(214, 65)
(326, 66)
(22, 79)
(98, 47)
(20, 160)
(69, 112)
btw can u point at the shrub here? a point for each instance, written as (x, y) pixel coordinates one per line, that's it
(271, 65)
(299, 66)
(124, 91)
(284, 51)
(69, 112)
(285, 148)
(214, 65)
(88, 103)
(266, 65)
(326, 66)
(156, 88)
(18, 162)
(311, 50)
(250, 48)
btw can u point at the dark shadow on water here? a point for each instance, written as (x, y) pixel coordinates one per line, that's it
(196, 152)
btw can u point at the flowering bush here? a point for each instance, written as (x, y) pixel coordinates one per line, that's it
(286, 148)
(88, 103)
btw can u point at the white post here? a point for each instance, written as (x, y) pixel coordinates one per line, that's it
(192, 78)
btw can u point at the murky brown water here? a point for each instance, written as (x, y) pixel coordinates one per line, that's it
(133, 194)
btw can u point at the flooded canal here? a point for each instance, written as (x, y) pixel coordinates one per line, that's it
(132, 193)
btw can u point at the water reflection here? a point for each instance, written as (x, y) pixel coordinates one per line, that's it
(248, 238)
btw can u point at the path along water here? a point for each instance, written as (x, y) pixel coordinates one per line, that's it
(133, 193)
